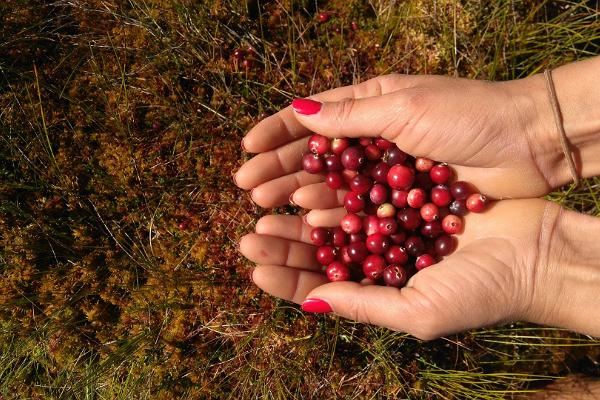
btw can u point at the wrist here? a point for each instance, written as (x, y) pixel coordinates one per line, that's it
(569, 274)
(578, 92)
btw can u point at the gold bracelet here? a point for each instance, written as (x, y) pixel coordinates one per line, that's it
(559, 125)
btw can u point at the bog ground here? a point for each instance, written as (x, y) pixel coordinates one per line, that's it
(120, 124)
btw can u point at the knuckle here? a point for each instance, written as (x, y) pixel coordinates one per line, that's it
(426, 330)
(343, 111)
(358, 311)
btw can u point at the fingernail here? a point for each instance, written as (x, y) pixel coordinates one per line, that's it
(292, 199)
(316, 306)
(242, 144)
(305, 219)
(306, 106)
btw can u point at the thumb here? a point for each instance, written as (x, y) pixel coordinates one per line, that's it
(351, 117)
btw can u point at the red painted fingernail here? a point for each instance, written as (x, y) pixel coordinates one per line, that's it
(306, 106)
(316, 306)
(242, 144)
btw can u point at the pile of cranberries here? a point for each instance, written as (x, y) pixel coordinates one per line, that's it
(402, 211)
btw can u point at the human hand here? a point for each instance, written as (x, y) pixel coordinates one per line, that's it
(521, 260)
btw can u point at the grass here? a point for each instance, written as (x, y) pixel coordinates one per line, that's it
(120, 121)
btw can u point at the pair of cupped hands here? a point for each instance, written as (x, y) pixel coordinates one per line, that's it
(504, 268)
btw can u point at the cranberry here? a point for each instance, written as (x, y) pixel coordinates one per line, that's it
(395, 275)
(357, 251)
(414, 245)
(383, 144)
(396, 255)
(365, 141)
(440, 174)
(386, 210)
(338, 145)
(460, 190)
(423, 164)
(395, 156)
(371, 224)
(247, 63)
(378, 194)
(372, 152)
(424, 261)
(353, 202)
(409, 218)
(440, 196)
(334, 180)
(459, 207)
(323, 17)
(339, 237)
(333, 163)
(432, 229)
(319, 236)
(444, 245)
(452, 224)
(370, 208)
(423, 181)
(337, 271)
(312, 164)
(326, 255)
(398, 237)
(351, 223)
(477, 203)
(319, 144)
(238, 54)
(399, 198)
(357, 237)
(416, 198)
(353, 158)
(344, 256)
(430, 212)
(388, 226)
(183, 225)
(380, 171)
(361, 184)
(400, 177)
(373, 266)
(377, 243)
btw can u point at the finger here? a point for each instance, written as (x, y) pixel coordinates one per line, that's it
(326, 218)
(263, 249)
(283, 127)
(271, 165)
(277, 192)
(287, 283)
(318, 196)
(288, 227)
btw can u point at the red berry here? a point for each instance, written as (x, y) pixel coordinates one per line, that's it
(444, 245)
(357, 237)
(378, 194)
(372, 152)
(353, 202)
(365, 141)
(416, 198)
(326, 255)
(424, 261)
(440, 174)
(414, 245)
(460, 190)
(399, 198)
(452, 224)
(238, 54)
(247, 63)
(432, 229)
(379, 172)
(423, 164)
(386, 210)
(361, 184)
(409, 218)
(345, 255)
(353, 158)
(337, 271)
(333, 163)
(430, 212)
(312, 164)
(319, 144)
(338, 145)
(371, 224)
(440, 196)
(477, 202)
(459, 207)
(395, 275)
(398, 237)
(373, 266)
(370, 208)
(388, 226)
(395, 156)
(183, 225)
(357, 251)
(423, 181)
(319, 236)
(354, 27)
(377, 243)
(383, 144)
(324, 17)
(339, 237)
(400, 177)
(396, 255)
(334, 180)
(351, 223)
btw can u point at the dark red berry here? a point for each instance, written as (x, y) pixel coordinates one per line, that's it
(338, 145)
(440, 174)
(354, 26)
(183, 225)
(371, 224)
(414, 245)
(423, 164)
(326, 255)
(372, 152)
(378, 194)
(339, 237)
(452, 224)
(351, 223)
(416, 198)
(460, 190)
(247, 63)
(370, 208)
(319, 144)
(373, 266)
(238, 54)
(357, 237)
(345, 256)
(337, 271)
(353, 202)
(398, 238)
(444, 245)
(477, 203)
(377, 243)
(353, 158)
(409, 218)
(440, 196)
(400, 177)
(432, 229)
(333, 163)
(396, 255)
(365, 141)
(388, 226)
(395, 156)
(424, 261)
(399, 198)
(319, 236)
(430, 212)
(360, 184)
(423, 181)
(379, 172)
(323, 17)
(312, 164)
(395, 275)
(459, 207)
(357, 251)
(383, 144)
(334, 180)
